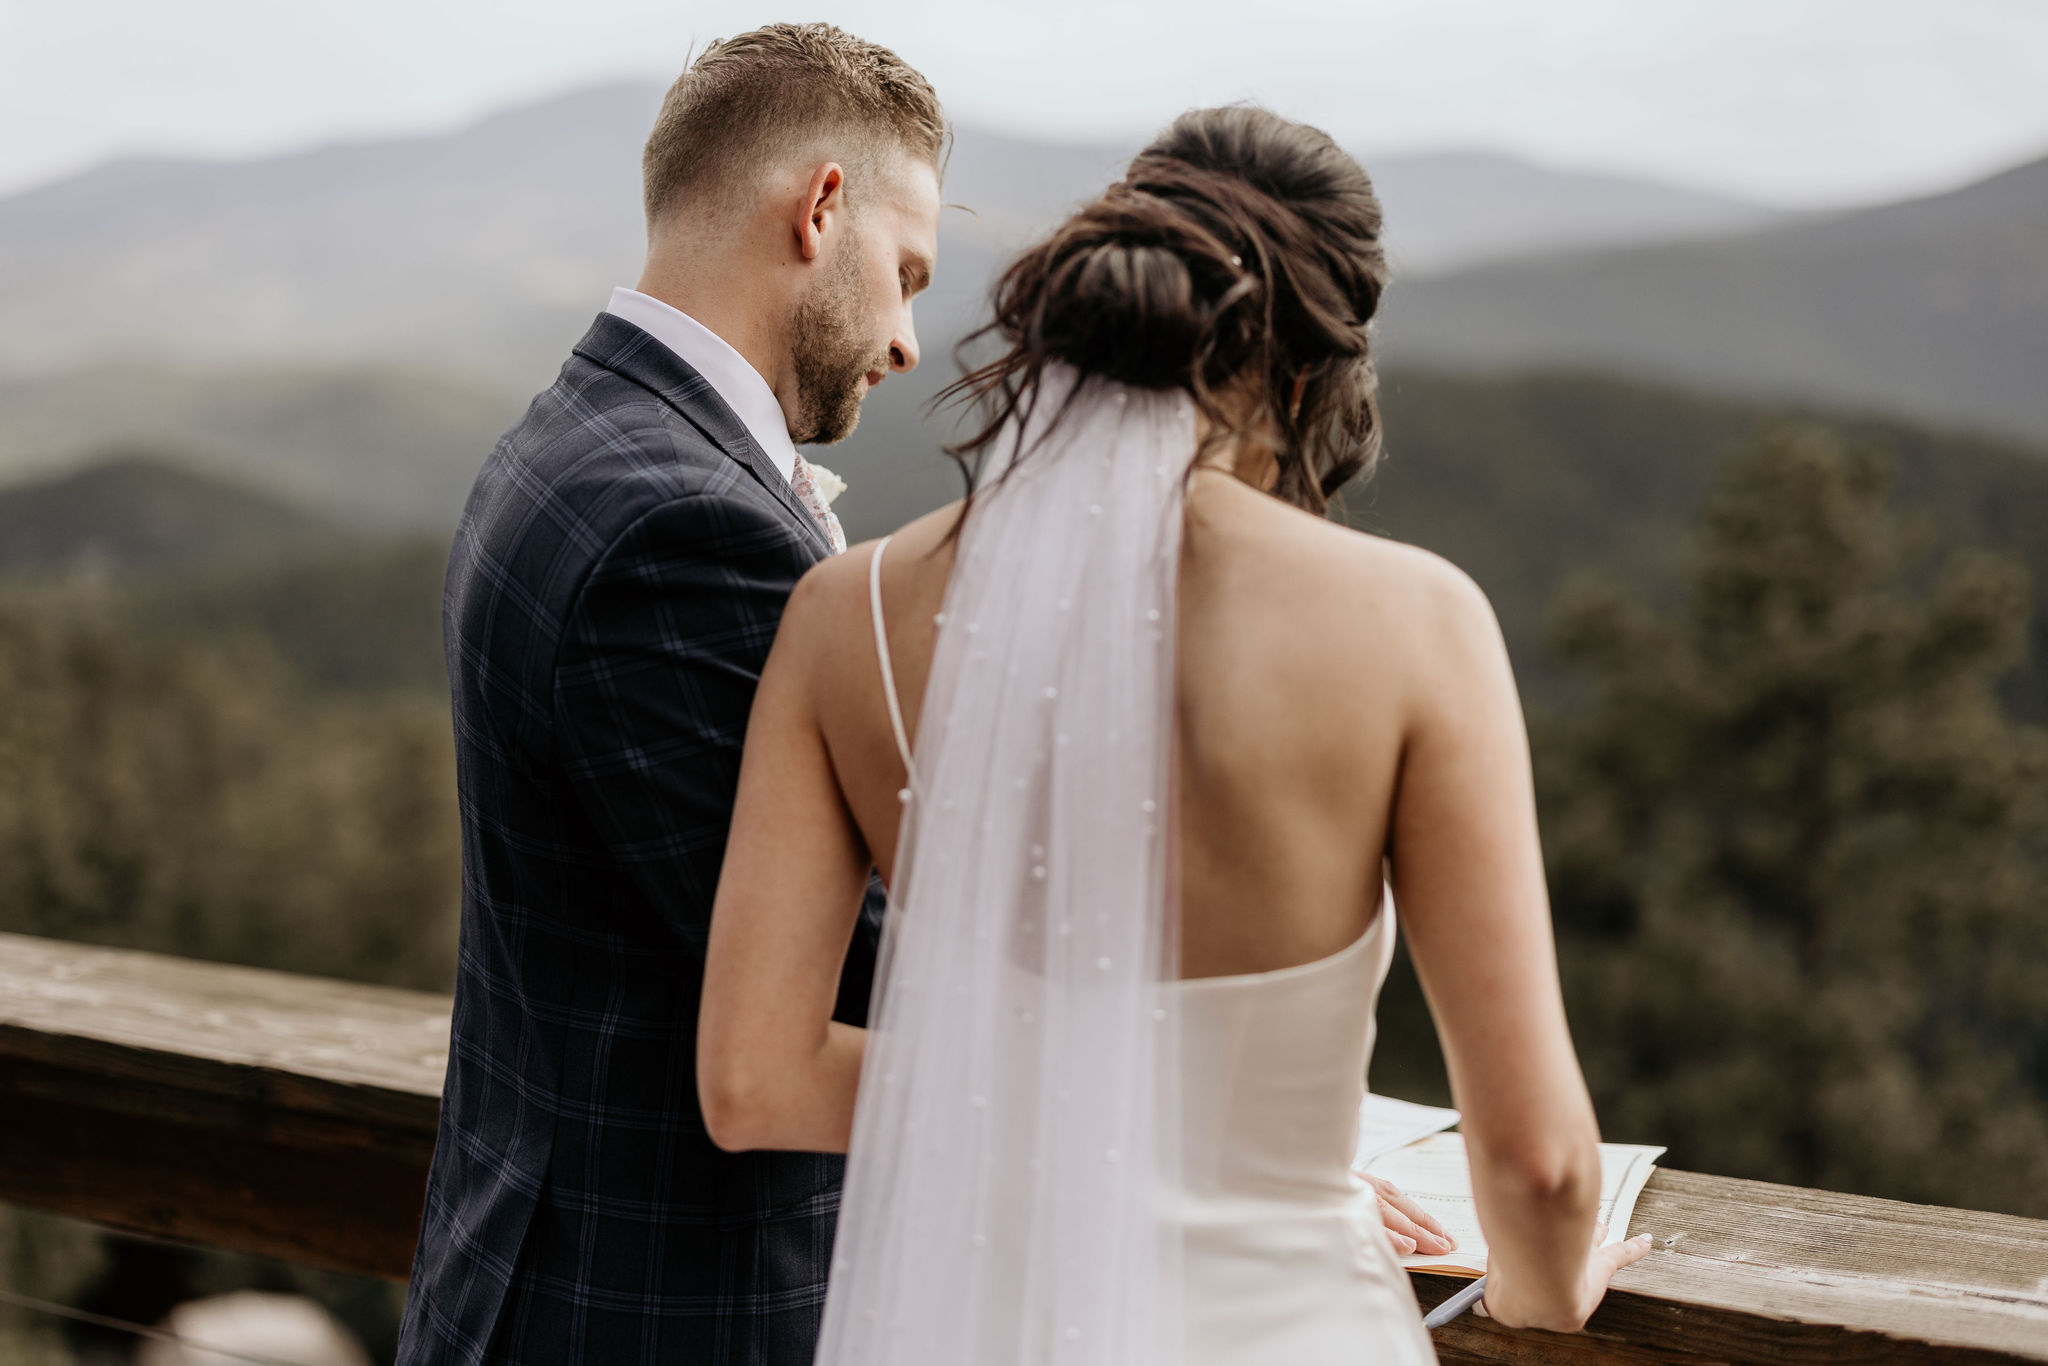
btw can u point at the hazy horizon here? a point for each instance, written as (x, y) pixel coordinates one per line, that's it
(1075, 141)
(1826, 104)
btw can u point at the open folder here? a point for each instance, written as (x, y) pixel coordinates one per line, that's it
(1404, 1143)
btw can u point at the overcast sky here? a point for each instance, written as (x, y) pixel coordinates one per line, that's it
(1791, 101)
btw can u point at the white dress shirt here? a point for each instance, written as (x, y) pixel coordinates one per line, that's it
(727, 371)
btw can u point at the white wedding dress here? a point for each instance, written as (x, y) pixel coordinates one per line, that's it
(1284, 1257)
(1062, 1155)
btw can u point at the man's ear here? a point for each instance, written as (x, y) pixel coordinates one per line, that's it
(824, 201)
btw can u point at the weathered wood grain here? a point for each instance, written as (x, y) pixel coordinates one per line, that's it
(1745, 1271)
(219, 1105)
(218, 1023)
(294, 1116)
(1914, 1273)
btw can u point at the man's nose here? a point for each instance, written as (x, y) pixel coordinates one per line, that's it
(903, 348)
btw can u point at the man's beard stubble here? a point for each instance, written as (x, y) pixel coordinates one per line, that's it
(830, 359)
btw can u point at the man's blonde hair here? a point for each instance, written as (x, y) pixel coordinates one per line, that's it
(749, 98)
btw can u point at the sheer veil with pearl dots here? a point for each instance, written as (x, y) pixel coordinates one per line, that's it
(1008, 1154)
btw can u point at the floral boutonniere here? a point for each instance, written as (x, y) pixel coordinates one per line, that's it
(830, 485)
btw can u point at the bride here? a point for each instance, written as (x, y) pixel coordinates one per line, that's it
(1134, 736)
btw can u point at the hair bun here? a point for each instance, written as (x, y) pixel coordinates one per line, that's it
(1132, 291)
(1240, 252)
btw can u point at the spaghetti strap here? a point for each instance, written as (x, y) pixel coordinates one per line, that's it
(882, 655)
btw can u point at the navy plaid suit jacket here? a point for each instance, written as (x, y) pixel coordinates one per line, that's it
(616, 581)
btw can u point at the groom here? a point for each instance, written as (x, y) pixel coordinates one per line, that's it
(616, 580)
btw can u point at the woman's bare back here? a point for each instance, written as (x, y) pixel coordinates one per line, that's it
(1301, 646)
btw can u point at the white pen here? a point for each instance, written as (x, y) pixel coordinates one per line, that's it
(1455, 1305)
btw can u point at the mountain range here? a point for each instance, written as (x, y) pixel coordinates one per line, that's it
(1937, 307)
(486, 250)
(352, 325)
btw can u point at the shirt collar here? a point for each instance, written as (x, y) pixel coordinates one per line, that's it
(725, 369)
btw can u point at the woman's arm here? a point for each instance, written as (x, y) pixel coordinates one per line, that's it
(774, 1070)
(1468, 875)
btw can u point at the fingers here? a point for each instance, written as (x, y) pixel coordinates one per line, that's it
(1625, 1253)
(1600, 1269)
(1421, 1217)
(1401, 1230)
(1403, 1226)
(1411, 1221)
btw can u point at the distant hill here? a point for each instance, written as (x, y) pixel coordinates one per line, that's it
(362, 619)
(167, 552)
(1523, 482)
(136, 513)
(374, 448)
(1456, 209)
(1937, 308)
(487, 250)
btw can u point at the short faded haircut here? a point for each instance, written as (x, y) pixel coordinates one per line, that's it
(748, 99)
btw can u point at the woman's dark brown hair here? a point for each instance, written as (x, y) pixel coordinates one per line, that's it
(1238, 259)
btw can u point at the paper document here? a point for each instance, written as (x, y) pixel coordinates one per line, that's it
(1385, 1124)
(1435, 1173)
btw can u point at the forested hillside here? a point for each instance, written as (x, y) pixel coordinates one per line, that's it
(1522, 482)
(1798, 848)
(1526, 481)
(130, 514)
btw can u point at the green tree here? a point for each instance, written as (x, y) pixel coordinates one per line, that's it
(195, 799)
(1799, 851)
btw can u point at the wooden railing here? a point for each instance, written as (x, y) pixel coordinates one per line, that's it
(294, 1116)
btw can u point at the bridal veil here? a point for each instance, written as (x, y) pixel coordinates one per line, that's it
(1008, 1155)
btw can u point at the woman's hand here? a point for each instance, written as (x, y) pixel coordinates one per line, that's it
(1410, 1228)
(1501, 1301)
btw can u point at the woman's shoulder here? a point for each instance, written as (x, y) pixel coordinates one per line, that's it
(1433, 587)
(1329, 559)
(1355, 619)
(834, 591)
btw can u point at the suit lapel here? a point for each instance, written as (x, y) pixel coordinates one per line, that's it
(621, 347)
